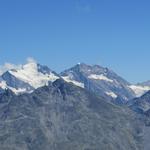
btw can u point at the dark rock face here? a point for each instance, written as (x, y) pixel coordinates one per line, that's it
(119, 86)
(63, 116)
(45, 70)
(141, 106)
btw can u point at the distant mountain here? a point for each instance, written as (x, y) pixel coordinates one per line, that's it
(67, 117)
(27, 78)
(102, 81)
(99, 80)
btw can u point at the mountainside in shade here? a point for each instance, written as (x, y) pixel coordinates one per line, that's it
(141, 104)
(101, 81)
(67, 117)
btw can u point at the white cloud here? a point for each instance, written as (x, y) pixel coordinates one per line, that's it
(31, 60)
(8, 66)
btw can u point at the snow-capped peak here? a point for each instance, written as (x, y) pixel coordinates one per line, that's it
(31, 73)
(100, 80)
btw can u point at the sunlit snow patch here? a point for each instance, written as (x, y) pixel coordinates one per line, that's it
(3, 85)
(139, 90)
(99, 77)
(112, 94)
(67, 79)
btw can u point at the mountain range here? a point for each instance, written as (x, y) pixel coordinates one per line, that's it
(86, 107)
(100, 80)
(64, 116)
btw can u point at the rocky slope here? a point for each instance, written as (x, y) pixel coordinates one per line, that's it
(101, 81)
(64, 116)
(141, 105)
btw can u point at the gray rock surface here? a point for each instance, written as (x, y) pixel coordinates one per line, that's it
(62, 116)
(141, 105)
(118, 86)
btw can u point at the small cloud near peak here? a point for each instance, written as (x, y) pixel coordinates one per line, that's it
(8, 66)
(31, 60)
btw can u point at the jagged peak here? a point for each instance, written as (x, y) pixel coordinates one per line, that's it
(90, 66)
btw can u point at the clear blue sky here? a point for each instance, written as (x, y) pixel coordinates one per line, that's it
(61, 33)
